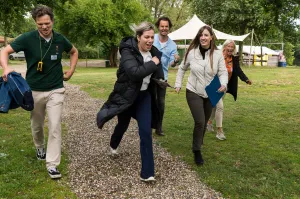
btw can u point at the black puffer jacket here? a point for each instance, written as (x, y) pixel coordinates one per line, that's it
(130, 75)
(236, 72)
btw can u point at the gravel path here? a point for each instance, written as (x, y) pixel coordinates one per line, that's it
(96, 174)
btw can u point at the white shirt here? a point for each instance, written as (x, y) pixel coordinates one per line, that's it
(163, 44)
(147, 57)
(48, 39)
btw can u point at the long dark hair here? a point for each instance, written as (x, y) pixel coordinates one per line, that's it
(196, 43)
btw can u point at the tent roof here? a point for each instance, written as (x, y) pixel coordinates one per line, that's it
(255, 50)
(190, 29)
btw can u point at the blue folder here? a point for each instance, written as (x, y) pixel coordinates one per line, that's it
(212, 91)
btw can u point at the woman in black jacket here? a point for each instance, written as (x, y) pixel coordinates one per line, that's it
(134, 94)
(234, 71)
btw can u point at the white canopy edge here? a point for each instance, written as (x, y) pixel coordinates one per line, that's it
(221, 35)
(190, 29)
(256, 50)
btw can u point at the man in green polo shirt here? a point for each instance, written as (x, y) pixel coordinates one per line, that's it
(43, 50)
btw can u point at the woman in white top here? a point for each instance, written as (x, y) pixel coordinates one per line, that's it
(205, 61)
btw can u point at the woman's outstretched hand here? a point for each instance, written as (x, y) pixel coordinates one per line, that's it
(177, 89)
(249, 82)
(222, 89)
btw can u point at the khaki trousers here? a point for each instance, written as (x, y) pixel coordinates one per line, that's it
(217, 113)
(52, 101)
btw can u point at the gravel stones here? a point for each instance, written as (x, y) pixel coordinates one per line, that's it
(94, 173)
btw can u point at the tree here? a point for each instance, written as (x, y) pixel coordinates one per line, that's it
(297, 56)
(241, 16)
(288, 52)
(237, 17)
(94, 22)
(179, 11)
(12, 15)
(297, 49)
(284, 14)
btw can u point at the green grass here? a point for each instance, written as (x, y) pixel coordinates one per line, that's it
(260, 158)
(98, 82)
(15, 62)
(21, 174)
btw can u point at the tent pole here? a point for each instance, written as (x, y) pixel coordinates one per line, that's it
(251, 46)
(261, 55)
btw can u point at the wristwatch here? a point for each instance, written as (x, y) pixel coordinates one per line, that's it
(176, 61)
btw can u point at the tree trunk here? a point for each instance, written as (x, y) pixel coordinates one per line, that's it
(5, 41)
(113, 56)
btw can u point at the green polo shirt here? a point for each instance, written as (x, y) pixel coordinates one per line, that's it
(33, 45)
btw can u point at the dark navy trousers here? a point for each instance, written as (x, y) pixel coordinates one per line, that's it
(161, 95)
(141, 111)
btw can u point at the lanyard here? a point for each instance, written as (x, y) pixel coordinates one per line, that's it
(40, 64)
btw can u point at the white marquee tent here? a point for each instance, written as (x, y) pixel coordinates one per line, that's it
(190, 29)
(256, 50)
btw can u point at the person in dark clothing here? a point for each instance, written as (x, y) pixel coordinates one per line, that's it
(134, 94)
(234, 71)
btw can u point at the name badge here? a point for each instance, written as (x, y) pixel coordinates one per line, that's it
(53, 57)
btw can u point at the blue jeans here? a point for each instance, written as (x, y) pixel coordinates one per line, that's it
(141, 111)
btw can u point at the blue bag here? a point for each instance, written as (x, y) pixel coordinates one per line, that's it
(5, 98)
(20, 91)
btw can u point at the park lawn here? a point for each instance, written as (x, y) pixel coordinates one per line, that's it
(260, 158)
(21, 174)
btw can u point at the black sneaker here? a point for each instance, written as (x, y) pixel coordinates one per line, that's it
(198, 158)
(40, 154)
(54, 173)
(159, 132)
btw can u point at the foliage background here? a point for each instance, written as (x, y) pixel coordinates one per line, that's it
(98, 25)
